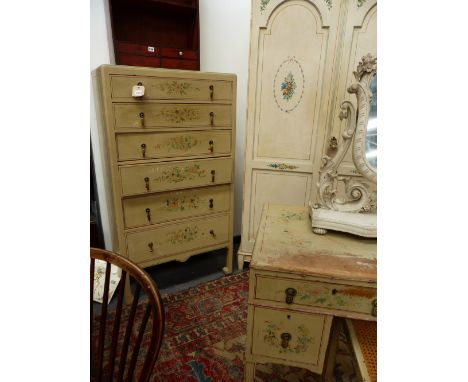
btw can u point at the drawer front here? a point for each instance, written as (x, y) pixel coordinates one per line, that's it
(180, 53)
(349, 298)
(175, 63)
(291, 336)
(146, 115)
(151, 209)
(143, 179)
(172, 88)
(168, 145)
(177, 238)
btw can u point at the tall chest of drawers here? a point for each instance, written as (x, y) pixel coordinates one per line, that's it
(170, 157)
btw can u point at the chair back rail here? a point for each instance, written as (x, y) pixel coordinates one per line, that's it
(153, 311)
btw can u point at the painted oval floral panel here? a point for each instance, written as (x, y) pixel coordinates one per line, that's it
(288, 85)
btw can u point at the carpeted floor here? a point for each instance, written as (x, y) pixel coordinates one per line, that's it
(205, 333)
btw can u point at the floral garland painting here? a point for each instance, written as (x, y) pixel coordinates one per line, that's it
(288, 86)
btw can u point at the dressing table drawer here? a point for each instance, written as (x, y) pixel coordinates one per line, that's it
(151, 115)
(158, 208)
(149, 178)
(160, 88)
(352, 298)
(177, 238)
(169, 145)
(298, 338)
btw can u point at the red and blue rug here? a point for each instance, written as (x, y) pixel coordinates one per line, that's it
(205, 333)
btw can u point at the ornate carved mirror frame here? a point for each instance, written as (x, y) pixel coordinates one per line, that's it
(356, 211)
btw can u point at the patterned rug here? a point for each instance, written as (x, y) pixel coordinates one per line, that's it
(205, 334)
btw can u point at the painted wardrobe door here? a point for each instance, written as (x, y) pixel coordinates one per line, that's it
(360, 39)
(292, 55)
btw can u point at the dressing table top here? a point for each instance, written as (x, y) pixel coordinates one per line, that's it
(285, 243)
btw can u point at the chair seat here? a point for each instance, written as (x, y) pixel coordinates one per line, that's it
(363, 337)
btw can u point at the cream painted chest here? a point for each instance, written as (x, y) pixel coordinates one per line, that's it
(170, 160)
(298, 282)
(302, 57)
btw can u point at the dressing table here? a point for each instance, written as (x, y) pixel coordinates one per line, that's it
(310, 265)
(298, 282)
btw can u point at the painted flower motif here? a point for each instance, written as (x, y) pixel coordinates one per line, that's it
(288, 87)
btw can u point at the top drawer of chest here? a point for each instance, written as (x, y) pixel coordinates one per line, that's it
(328, 295)
(161, 88)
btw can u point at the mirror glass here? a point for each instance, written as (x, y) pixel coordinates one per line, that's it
(371, 136)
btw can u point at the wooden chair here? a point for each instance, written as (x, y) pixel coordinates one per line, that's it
(123, 351)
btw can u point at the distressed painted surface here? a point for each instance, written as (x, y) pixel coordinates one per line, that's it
(318, 294)
(288, 244)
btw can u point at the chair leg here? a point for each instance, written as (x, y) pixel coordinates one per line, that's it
(330, 357)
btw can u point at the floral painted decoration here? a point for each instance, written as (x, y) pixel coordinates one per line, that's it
(360, 3)
(182, 143)
(179, 115)
(184, 235)
(282, 166)
(177, 88)
(272, 337)
(180, 174)
(288, 86)
(263, 4)
(330, 4)
(183, 203)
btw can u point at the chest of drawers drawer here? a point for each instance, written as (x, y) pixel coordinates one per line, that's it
(298, 338)
(146, 115)
(162, 207)
(167, 145)
(171, 88)
(177, 238)
(142, 179)
(352, 298)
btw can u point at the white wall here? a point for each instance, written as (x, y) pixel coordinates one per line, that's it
(224, 48)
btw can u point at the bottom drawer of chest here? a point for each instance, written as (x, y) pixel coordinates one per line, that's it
(177, 238)
(299, 339)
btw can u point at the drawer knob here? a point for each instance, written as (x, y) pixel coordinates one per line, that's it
(181, 53)
(374, 307)
(290, 294)
(143, 150)
(213, 173)
(150, 245)
(211, 203)
(147, 183)
(285, 338)
(212, 233)
(211, 118)
(142, 119)
(211, 143)
(148, 214)
(211, 92)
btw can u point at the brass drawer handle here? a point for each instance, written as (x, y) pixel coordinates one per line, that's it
(148, 214)
(147, 186)
(374, 307)
(213, 173)
(211, 118)
(285, 338)
(142, 119)
(290, 293)
(211, 143)
(211, 203)
(211, 92)
(150, 245)
(143, 150)
(212, 233)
